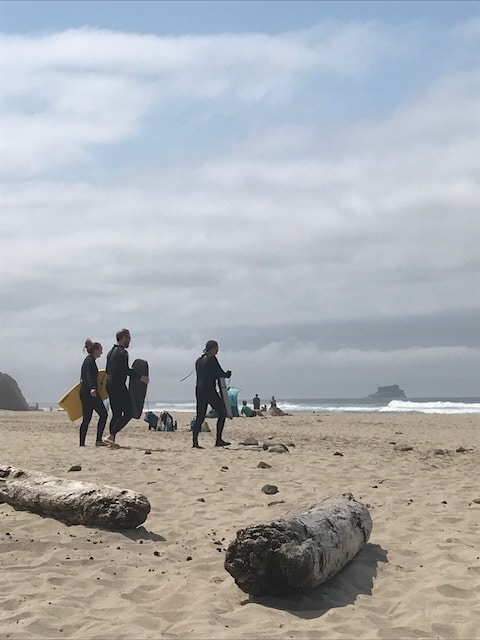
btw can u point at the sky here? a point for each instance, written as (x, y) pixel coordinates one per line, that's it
(297, 180)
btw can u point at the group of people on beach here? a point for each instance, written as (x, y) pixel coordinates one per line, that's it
(120, 403)
(207, 368)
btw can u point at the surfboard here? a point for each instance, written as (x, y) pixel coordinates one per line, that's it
(137, 388)
(224, 393)
(71, 402)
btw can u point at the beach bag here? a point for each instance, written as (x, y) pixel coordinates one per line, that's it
(233, 398)
(152, 420)
(168, 423)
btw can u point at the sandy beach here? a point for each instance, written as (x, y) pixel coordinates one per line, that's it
(418, 577)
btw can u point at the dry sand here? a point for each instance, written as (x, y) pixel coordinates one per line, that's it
(418, 577)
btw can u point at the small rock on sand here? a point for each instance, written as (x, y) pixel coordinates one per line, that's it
(263, 465)
(277, 448)
(402, 447)
(270, 489)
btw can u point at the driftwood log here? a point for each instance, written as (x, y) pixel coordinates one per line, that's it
(72, 501)
(301, 551)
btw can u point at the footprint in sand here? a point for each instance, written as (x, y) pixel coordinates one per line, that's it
(450, 591)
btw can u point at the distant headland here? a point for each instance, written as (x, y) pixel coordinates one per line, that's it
(10, 395)
(391, 392)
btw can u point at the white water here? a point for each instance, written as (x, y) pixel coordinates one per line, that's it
(342, 406)
(404, 406)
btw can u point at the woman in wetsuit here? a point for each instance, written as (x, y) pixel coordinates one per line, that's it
(208, 372)
(89, 395)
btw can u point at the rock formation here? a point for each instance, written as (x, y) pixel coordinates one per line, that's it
(391, 392)
(10, 395)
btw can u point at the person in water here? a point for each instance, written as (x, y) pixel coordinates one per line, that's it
(117, 373)
(208, 371)
(89, 397)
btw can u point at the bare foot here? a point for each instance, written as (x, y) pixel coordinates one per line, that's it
(110, 441)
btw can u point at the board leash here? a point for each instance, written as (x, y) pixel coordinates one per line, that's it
(187, 376)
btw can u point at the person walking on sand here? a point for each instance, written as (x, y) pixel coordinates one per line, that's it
(89, 397)
(117, 373)
(208, 372)
(256, 403)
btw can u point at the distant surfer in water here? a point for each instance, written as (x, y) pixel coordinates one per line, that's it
(89, 393)
(208, 372)
(117, 373)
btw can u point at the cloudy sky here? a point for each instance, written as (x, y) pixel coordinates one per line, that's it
(299, 180)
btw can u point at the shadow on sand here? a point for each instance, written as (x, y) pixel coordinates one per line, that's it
(144, 449)
(356, 579)
(140, 533)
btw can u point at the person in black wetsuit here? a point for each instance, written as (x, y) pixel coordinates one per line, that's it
(88, 393)
(117, 373)
(208, 372)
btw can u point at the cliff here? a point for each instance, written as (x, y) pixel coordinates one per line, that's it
(391, 392)
(10, 395)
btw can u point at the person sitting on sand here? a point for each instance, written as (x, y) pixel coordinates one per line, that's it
(246, 411)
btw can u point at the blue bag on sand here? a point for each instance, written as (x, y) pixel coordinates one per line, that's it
(152, 420)
(233, 397)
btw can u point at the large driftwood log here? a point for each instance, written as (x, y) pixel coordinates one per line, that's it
(72, 501)
(300, 551)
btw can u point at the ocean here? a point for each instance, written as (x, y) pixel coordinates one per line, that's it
(344, 405)
(334, 405)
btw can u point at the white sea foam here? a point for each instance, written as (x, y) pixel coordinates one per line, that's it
(345, 406)
(404, 406)
(173, 406)
(451, 406)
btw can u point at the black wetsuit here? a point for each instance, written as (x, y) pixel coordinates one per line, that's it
(120, 401)
(88, 380)
(208, 371)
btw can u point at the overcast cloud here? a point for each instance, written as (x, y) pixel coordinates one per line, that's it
(310, 199)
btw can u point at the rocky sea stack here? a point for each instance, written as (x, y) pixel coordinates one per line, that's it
(11, 397)
(392, 392)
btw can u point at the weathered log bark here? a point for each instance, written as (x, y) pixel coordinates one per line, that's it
(72, 501)
(300, 551)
